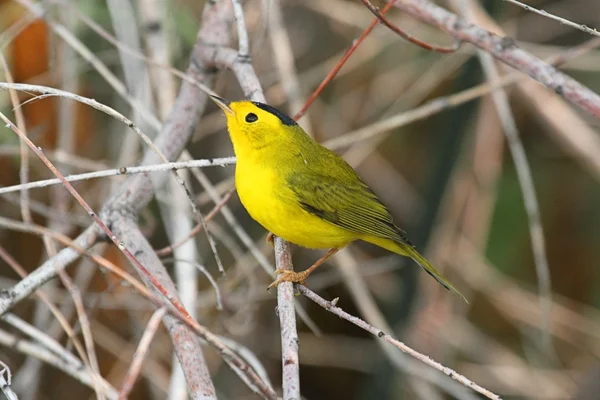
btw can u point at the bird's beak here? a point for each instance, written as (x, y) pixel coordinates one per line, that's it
(222, 103)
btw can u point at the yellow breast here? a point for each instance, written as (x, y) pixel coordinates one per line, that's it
(269, 201)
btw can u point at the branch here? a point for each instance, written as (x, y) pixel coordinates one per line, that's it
(409, 37)
(287, 318)
(563, 21)
(70, 366)
(48, 270)
(140, 353)
(5, 382)
(331, 306)
(340, 63)
(505, 50)
(121, 171)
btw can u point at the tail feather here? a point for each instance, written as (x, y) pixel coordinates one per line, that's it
(406, 249)
(422, 261)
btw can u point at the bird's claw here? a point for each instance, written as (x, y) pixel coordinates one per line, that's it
(285, 275)
(270, 238)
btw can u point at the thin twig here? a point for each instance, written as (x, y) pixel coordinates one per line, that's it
(563, 21)
(281, 48)
(331, 306)
(76, 370)
(5, 382)
(243, 44)
(42, 338)
(24, 154)
(169, 249)
(439, 49)
(84, 324)
(140, 353)
(206, 273)
(340, 63)
(221, 162)
(536, 232)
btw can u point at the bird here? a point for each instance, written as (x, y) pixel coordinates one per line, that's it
(304, 193)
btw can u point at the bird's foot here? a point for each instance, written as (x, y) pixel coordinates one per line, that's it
(270, 238)
(285, 275)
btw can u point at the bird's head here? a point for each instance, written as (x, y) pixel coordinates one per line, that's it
(254, 126)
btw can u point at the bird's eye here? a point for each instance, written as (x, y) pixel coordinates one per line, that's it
(251, 117)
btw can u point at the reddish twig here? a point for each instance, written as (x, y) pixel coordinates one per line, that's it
(505, 50)
(341, 63)
(440, 49)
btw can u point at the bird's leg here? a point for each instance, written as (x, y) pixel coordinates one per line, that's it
(284, 275)
(270, 238)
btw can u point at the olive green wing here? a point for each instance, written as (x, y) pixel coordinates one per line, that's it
(347, 203)
(350, 204)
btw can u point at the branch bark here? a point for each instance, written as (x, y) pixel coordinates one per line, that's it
(506, 50)
(290, 362)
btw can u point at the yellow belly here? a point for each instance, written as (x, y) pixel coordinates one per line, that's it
(270, 203)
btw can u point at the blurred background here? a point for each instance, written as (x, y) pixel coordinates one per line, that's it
(449, 178)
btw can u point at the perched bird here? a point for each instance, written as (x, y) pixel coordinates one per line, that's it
(304, 192)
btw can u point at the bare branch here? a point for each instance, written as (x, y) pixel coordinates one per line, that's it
(290, 362)
(334, 71)
(505, 50)
(76, 370)
(5, 382)
(48, 270)
(564, 21)
(331, 306)
(140, 353)
(410, 38)
(122, 171)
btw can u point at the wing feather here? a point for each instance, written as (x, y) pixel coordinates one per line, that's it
(349, 204)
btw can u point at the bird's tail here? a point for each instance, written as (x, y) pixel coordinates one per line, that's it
(422, 261)
(406, 249)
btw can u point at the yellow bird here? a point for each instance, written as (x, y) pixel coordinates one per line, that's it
(304, 192)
